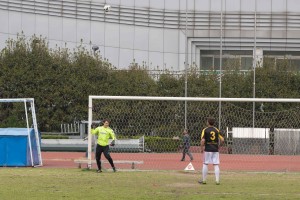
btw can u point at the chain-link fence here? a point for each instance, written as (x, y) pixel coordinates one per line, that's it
(161, 122)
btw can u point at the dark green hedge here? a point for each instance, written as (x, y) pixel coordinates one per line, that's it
(60, 81)
(161, 145)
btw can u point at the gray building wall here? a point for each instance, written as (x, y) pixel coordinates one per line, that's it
(153, 32)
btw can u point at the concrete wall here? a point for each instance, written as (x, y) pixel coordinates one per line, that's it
(153, 32)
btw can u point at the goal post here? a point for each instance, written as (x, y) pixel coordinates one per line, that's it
(18, 118)
(163, 116)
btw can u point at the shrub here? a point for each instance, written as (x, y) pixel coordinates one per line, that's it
(160, 144)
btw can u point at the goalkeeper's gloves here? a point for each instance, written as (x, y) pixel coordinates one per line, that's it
(112, 143)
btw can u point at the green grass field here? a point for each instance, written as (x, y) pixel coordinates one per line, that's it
(45, 183)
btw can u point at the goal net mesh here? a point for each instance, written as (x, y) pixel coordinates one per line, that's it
(13, 114)
(270, 129)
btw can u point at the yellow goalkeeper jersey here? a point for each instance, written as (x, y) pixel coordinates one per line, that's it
(104, 134)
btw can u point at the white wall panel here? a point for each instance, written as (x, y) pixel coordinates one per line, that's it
(113, 2)
(231, 5)
(203, 5)
(182, 5)
(293, 6)
(4, 21)
(215, 5)
(126, 36)
(156, 59)
(83, 31)
(171, 61)
(126, 57)
(141, 40)
(129, 3)
(264, 6)
(172, 4)
(157, 4)
(142, 3)
(3, 38)
(140, 57)
(247, 5)
(69, 30)
(279, 5)
(97, 33)
(28, 24)
(181, 61)
(156, 37)
(112, 35)
(55, 28)
(181, 48)
(171, 41)
(191, 4)
(42, 25)
(101, 51)
(15, 22)
(112, 54)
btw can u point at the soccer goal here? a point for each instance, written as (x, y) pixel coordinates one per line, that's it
(251, 126)
(19, 135)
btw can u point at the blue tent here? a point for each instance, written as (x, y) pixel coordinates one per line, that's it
(17, 149)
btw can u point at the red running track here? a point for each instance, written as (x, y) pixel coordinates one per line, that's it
(171, 161)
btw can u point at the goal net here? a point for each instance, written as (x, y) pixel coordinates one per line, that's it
(19, 136)
(255, 130)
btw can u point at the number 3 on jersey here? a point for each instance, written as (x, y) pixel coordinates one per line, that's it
(213, 135)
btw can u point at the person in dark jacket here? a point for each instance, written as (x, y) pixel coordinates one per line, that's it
(186, 145)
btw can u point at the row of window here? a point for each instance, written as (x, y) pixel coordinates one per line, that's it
(233, 60)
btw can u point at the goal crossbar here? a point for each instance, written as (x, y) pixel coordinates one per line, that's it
(215, 99)
(17, 100)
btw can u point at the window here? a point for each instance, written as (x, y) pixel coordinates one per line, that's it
(246, 63)
(206, 63)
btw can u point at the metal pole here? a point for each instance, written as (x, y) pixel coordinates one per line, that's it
(186, 66)
(28, 133)
(221, 58)
(37, 137)
(254, 66)
(90, 118)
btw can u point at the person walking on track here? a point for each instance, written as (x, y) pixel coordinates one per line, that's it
(186, 145)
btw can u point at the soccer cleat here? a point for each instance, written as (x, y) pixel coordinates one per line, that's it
(99, 171)
(217, 183)
(202, 182)
(182, 160)
(114, 169)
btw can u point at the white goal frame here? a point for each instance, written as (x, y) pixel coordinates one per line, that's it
(34, 122)
(152, 98)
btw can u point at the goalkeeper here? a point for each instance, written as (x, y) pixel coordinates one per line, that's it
(104, 133)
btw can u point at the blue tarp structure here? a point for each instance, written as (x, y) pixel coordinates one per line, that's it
(15, 148)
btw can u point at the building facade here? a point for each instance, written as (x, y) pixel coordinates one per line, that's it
(163, 34)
